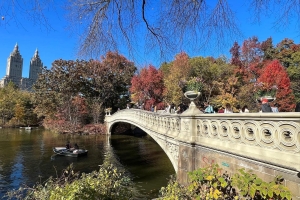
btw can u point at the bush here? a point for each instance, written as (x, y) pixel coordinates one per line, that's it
(107, 183)
(174, 191)
(210, 183)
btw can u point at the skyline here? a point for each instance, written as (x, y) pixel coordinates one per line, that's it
(57, 42)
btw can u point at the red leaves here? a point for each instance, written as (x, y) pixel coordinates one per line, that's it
(147, 87)
(275, 74)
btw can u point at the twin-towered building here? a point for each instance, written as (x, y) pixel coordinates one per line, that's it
(14, 70)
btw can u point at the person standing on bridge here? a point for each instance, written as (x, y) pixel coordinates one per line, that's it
(297, 109)
(152, 108)
(168, 108)
(228, 108)
(265, 106)
(208, 108)
(245, 109)
(274, 107)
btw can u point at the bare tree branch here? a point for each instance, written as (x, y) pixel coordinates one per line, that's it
(161, 27)
(16, 11)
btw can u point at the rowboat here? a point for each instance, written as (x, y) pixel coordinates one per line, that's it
(63, 151)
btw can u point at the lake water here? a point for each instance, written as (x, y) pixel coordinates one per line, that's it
(26, 157)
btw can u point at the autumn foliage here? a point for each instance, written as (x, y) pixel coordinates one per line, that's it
(274, 74)
(147, 87)
(179, 70)
(74, 93)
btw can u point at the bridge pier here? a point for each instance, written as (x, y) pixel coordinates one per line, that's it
(186, 161)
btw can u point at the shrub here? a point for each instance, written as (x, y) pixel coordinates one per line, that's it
(211, 183)
(107, 183)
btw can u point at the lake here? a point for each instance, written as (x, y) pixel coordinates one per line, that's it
(26, 157)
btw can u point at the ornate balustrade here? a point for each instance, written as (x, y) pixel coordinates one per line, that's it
(272, 138)
(162, 123)
(268, 137)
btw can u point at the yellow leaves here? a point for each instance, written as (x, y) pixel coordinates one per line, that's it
(214, 194)
(134, 97)
(222, 99)
(209, 178)
(179, 69)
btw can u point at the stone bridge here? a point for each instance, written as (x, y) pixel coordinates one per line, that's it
(268, 144)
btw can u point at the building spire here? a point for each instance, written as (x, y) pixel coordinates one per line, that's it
(16, 49)
(36, 54)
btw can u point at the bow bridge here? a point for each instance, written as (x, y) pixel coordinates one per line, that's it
(268, 144)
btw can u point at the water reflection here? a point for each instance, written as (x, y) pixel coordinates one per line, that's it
(26, 157)
(143, 157)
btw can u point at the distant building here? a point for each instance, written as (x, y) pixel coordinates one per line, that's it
(14, 70)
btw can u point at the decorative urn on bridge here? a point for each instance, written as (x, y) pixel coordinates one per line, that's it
(192, 95)
(192, 90)
(265, 92)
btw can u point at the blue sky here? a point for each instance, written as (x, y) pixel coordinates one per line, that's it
(60, 43)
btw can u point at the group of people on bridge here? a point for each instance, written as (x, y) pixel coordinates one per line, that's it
(208, 108)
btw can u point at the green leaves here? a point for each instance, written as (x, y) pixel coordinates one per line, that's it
(252, 186)
(210, 183)
(107, 183)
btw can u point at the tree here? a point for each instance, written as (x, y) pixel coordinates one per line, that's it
(249, 61)
(101, 82)
(268, 49)
(15, 11)
(285, 50)
(55, 88)
(16, 106)
(179, 70)
(246, 96)
(274, 74)
(166, 26)
(165, 67)
(148, 87)
(227, 90)
(19, 112)
(8, 99)
(252, 57)
(236, 55)
(110, 78)
(215, 74)
(294, 74)
(25, 105)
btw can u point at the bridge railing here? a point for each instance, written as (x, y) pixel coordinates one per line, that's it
(269, 137)
(162, 123)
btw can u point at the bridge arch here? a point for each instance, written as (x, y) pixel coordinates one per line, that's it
(168, 145)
